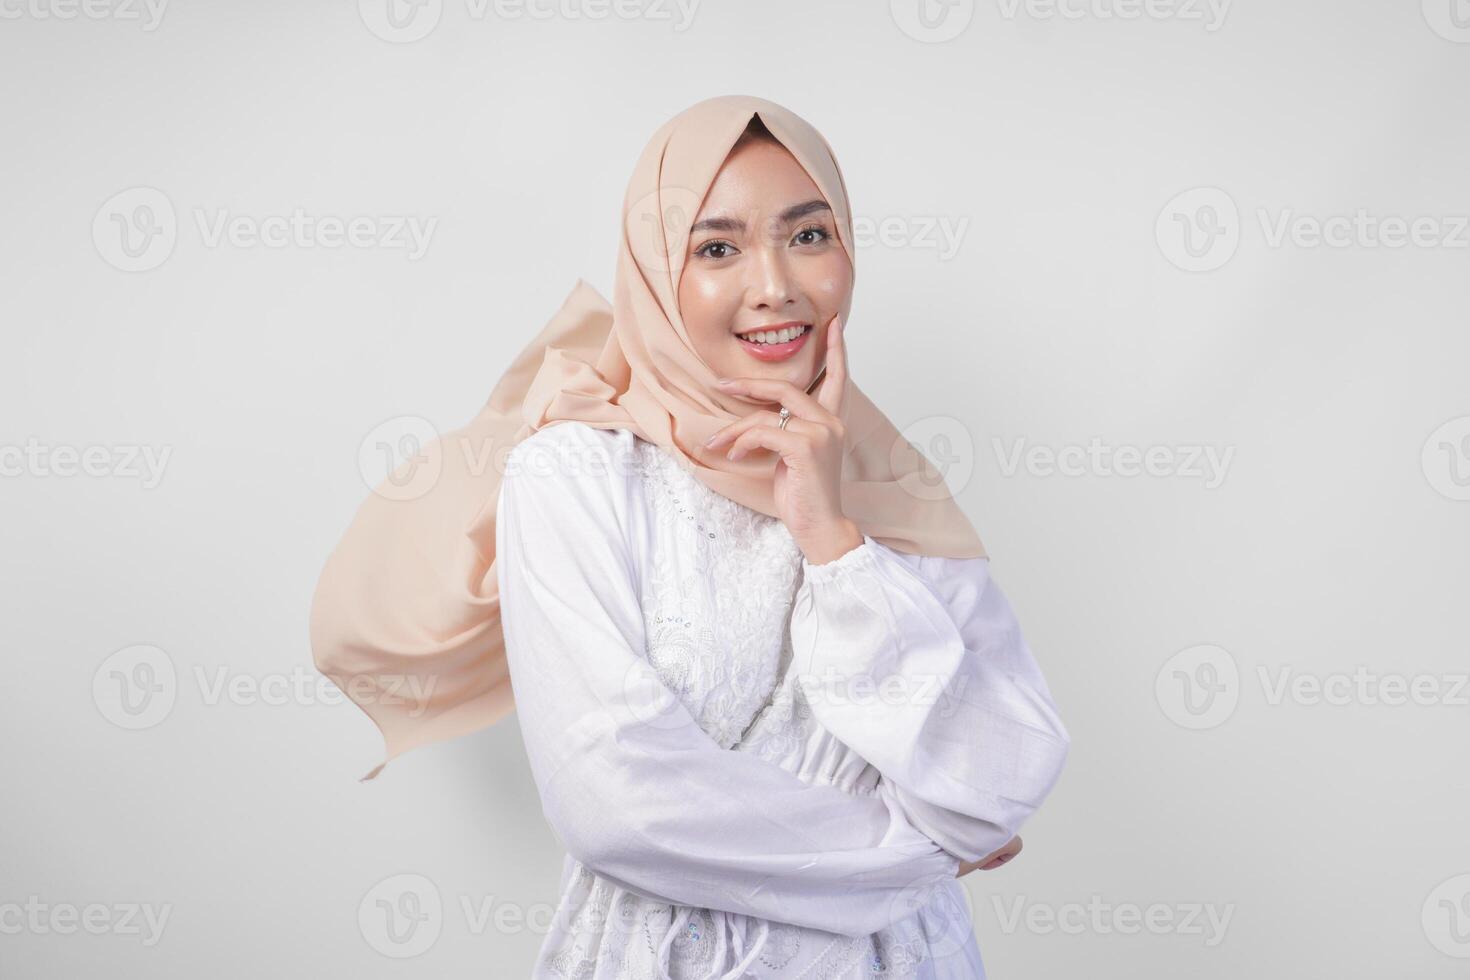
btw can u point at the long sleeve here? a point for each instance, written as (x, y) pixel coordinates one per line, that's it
(630, 783)
(917, 663)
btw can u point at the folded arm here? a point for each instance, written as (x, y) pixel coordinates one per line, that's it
(630, 783)
(918, 664)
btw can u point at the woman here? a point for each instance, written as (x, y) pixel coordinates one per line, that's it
(772, 701)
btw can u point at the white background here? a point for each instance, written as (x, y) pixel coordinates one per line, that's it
(1329, 379)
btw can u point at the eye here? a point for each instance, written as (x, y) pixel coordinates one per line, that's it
(703, 249)
(816, 230)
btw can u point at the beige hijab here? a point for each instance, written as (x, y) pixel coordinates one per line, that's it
(406, 616)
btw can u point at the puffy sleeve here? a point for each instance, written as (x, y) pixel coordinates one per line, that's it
(917, 663)
(630, 783)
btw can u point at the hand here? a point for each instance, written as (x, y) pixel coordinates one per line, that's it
(808, 481)
(991, 861)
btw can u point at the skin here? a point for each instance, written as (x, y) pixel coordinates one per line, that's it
(759, 255)
(769, 271)
(993, 860)
(753, 263)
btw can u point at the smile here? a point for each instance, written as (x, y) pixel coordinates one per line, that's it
(776, 344)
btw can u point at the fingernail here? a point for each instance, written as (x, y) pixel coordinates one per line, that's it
(724, 381)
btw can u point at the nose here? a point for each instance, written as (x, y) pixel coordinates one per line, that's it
(770, 287)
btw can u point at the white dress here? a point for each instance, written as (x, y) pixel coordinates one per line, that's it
(758, 766)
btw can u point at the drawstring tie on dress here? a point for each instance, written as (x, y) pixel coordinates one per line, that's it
(736, 924)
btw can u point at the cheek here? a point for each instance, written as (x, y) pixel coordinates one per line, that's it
(829, 283)
(704, 291)
(707, 306)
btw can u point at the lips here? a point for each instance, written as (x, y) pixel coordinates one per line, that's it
(771, 328)
(776, 352)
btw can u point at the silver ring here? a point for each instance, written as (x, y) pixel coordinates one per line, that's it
(785, 417)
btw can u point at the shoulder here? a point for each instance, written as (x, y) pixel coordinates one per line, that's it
(571, 473)
(573, 450)
(570, 517)
(571, 432)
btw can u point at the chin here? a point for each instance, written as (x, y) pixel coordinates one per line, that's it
(798, 370)
(799, 375)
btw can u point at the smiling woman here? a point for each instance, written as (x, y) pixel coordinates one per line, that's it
(766, 271)
(772, 699)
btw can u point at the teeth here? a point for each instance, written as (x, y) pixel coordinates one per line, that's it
(775, 336)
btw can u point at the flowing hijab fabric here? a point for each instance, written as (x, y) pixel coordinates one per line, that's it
(406, 615)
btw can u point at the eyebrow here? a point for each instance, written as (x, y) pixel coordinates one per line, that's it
(785, 217)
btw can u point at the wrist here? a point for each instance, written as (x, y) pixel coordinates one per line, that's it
(832, 542)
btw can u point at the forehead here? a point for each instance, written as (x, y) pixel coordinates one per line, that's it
(758, 176)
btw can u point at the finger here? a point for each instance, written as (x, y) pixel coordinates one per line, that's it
(784, 393)
(1012, 847)
(732, 430)
(834, 386)
(785, 441)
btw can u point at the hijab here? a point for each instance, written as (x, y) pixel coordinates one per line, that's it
(406, 614)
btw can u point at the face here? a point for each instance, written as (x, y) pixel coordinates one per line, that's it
(763, 257)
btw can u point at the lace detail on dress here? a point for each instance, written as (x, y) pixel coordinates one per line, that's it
(780, 728)
(716, 602)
